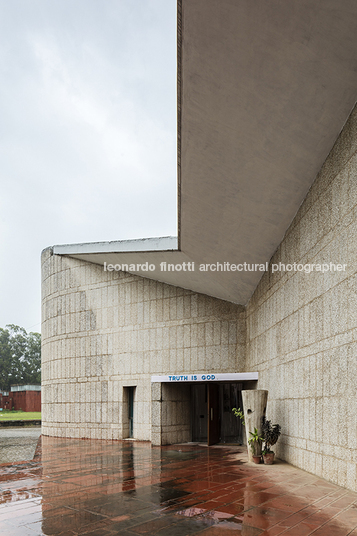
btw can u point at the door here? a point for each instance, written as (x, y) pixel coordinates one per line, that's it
(213, 414)
(199, 412)
(131, 410)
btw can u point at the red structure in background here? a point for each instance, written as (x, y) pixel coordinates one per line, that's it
(24, 397)
(5, 400)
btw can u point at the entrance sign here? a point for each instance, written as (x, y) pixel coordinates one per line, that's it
(210, 377)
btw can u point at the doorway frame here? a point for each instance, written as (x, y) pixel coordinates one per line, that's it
(164, 432)
(128, 413)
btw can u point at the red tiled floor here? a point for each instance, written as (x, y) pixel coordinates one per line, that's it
(332, 529)
(264, 518)
(348, 517)
(273, 531)
(300, 516)
(302, 529)
(288, 503)
(101, 488)
(346, 500)
(250, 498)
(233, 508)
(228, 528)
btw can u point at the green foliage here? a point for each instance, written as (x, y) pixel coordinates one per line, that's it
(20, 357)
(239, 414)
(255, 442)
(271, 433)
(6, 358)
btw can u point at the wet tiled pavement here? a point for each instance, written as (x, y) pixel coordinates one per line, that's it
(18, 443)
(103, 488)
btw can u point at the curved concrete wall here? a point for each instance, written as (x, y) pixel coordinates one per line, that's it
(104, 331)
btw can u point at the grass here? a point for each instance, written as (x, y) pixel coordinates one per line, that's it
(18, 415)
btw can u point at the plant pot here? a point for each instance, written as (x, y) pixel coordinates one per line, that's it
(268, 458)
(257, 459)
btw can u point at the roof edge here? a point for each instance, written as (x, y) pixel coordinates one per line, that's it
(165, 243)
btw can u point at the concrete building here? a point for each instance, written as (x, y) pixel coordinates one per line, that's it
(154, 339)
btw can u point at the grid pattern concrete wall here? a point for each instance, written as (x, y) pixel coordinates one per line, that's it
(302, 328)
(103, 331)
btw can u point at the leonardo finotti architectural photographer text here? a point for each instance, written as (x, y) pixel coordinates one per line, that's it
(226, 267)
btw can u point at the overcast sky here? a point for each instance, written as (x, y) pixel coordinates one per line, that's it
(87, 132)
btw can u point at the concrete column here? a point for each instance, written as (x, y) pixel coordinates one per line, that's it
(156, 414)
(254, 407)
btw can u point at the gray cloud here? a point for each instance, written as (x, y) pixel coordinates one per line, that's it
(87, 132)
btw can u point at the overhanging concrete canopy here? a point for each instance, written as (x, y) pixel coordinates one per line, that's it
(265, 87)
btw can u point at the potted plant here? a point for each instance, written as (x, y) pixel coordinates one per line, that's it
(270, 433)
(255, 443)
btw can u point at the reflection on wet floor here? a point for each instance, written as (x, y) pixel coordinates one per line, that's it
(105, 488)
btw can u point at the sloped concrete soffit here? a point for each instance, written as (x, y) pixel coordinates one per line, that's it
(265, 88)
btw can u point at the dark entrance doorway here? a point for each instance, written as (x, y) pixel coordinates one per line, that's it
(214, 429)
(212, 417)
(131, 410)
(128, 411)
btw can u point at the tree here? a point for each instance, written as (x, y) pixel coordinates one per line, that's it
(20, 357)
(6, 359)
(31, 366)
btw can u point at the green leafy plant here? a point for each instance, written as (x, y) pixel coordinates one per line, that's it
(255, 442)
(271, 433)
(239, 414)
